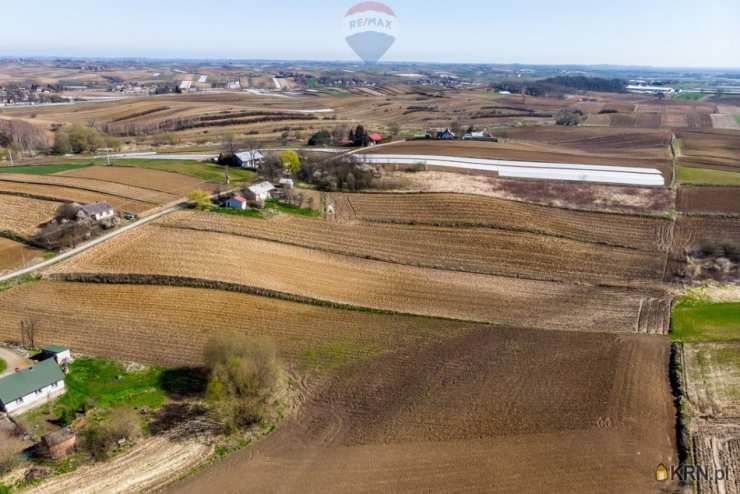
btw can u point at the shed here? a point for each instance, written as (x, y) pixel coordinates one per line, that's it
(236, 202)
(260, 191)
(249, 159)
(31, 387)
(57, 444)
(60, 353)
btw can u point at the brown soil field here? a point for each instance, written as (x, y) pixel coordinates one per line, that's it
(718, 149)
(477, 250)
(461, 210)
(581, 196)
(543, 416)
(693, 232)
(713, 381)
(627, 143)
(162, 255)
(21, 215)
(67, 194)
(169, 182)
(520, 151)
(167, 325)
(709, 200)
(716, 446)
(14, 255)
(124, 191)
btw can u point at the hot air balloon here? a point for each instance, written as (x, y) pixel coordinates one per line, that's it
(370, 29)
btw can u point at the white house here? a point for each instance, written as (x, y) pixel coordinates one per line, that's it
(31, 387)
(249, 159)
(260, 191)
(99, 211)
(236, 202)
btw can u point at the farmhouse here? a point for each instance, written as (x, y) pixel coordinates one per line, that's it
(374, 138)
(249, 159)
(31, 387)
(260, 192)
(236, 202)
(99, 211)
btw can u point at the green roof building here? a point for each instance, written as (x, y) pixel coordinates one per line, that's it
(32, 386)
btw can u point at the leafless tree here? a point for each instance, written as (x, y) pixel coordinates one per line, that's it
(29, 328)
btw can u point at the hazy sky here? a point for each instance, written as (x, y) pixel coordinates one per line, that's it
(686, 33)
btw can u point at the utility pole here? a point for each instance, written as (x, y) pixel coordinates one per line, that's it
(226, 174)
(10, 153)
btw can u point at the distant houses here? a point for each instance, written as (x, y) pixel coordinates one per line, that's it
(31, 387)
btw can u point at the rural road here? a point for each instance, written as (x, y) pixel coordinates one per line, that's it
(13, 360)
(529, 169)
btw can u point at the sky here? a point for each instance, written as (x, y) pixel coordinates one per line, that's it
(662, 33)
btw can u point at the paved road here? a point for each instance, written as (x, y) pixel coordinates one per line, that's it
(150, 155)
(530, 169)
(13, 360)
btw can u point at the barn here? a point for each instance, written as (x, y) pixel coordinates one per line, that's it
(249, 159)
(260, 192)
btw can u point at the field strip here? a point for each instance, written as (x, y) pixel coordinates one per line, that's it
(530, 169)
(131, 196)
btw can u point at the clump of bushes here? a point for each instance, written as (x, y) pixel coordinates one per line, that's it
(77, 139)
(245, 379)
(121, 426)
(335, 174)
(569, 118)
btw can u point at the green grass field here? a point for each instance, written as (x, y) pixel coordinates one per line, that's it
(691, 96)
(105, 383)
(691, 175)
(205, 171)
(737, 117)
(697, 320)
(43, 169)
(3, 365)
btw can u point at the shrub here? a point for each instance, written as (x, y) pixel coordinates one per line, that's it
(99, 439)
(10, 447)
(244, 378)
(200, 199)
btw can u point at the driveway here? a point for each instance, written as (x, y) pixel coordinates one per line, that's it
(13, 360)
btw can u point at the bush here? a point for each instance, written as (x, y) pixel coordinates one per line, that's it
(291, 161)
(100, 439)
(336, 174)
(200, 199)
(78, 140)
(244, 378)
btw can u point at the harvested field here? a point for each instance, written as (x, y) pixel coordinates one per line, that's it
(713, 378)
(171, 183)
(161, 255)
(674, 120)
(459, 210)
(709, 200)
(476, 250)
(725, 121)
(114, 189)
(544, 415)
(21, 215)
(695, 232)
(67, 194)
(163, 325)
(15, 254)
(716, 446)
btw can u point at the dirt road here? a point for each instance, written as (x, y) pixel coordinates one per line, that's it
(13, 361)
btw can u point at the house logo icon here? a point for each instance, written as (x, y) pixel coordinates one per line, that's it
(370, 29)
(661, 473)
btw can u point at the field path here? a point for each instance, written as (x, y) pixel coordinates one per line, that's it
(13, 360)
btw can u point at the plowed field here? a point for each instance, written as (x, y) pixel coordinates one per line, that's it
(477, 250)
(172, 183)
(67, 194)
(153, 253)
(709, 200)
(21, 216)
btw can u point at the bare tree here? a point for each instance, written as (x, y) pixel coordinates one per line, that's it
(28, 332)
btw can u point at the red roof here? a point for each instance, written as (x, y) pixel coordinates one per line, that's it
(370, 6)
(239, 198)
(375, 137)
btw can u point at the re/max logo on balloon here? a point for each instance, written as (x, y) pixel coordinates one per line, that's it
(371, 22)
(370, 29)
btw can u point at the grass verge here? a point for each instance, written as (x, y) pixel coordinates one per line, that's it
(43, 169)
(20, 280)
(198, 169)
(3, 365)
(706, 176)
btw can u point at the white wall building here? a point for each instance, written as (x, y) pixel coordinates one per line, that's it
(31, 387)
